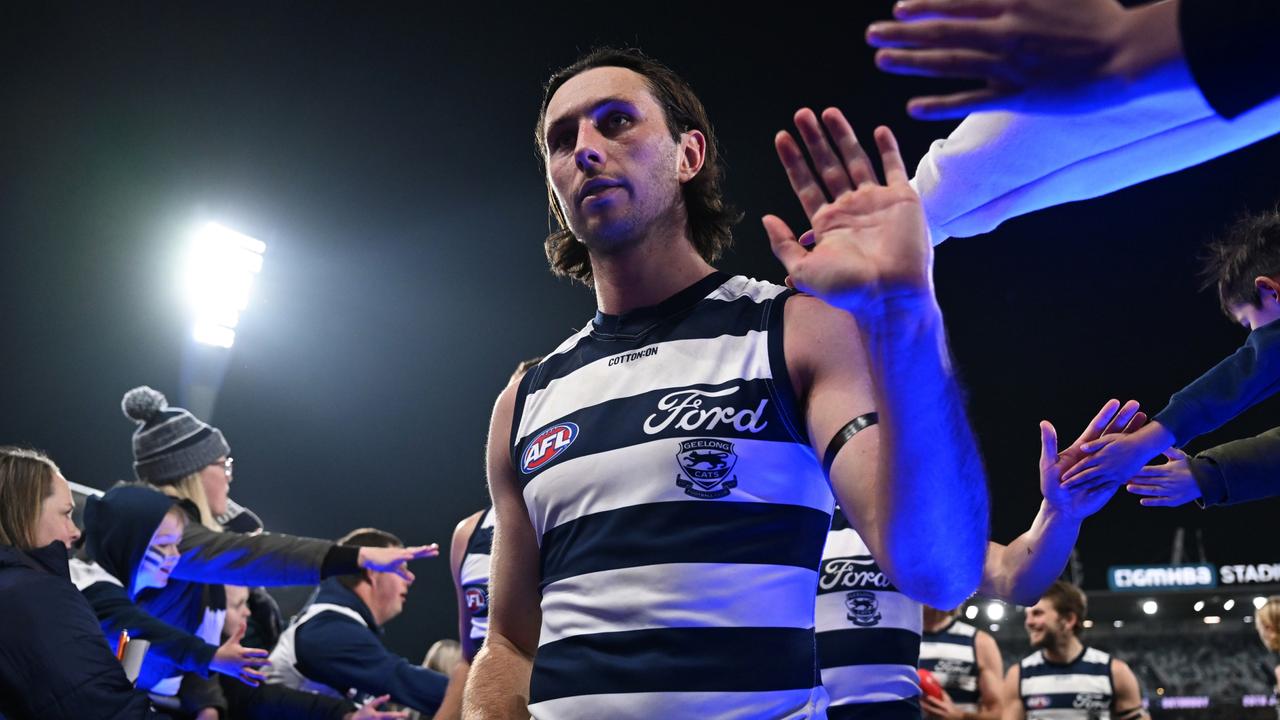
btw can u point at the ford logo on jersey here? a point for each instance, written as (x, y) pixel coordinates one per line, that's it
(547, 445)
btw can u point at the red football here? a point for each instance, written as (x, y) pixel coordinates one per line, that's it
(929, 684)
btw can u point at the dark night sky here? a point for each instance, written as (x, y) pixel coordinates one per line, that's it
(384, 153)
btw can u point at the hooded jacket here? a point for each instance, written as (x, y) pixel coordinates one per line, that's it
(54, 661)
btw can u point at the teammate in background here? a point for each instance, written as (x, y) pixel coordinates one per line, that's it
(618, 561)
(869, 634)
(1064, 679)
(966, 662)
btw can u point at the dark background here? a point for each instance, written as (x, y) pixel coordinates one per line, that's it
(384, 153)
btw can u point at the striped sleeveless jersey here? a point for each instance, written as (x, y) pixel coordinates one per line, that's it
(1079, 690)
(950, 654)
(868, 633)
(473, 576)
(680, 514)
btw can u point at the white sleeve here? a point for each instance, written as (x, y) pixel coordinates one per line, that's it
(998, 165)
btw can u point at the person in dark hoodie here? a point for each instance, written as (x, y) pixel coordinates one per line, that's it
(54, 661)
(190, 461)
(333, 647)
(132, 537)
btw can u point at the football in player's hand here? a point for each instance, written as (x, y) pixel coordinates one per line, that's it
(929, 684)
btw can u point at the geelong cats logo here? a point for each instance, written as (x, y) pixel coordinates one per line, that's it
(706, 466)
(546, 445)
(863, 607)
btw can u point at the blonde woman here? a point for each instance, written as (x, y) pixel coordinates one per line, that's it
(1267, 620)
(55, 663)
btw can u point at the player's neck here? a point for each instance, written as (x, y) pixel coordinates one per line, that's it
(645, 273)
(1064, 651)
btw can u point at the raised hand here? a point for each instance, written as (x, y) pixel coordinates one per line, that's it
(370, 711)
(1044, 56)
(1167, 485)
(1113, 459)
(243, 663)
(393, 559)
(1080, 502)
(870, 251)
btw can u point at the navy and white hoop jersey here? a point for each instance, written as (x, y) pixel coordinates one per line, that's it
(868, 633)
(680, 513)
(951, 655)
(1079, 690)
(473, 577)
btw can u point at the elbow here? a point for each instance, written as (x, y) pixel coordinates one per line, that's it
(942, 587)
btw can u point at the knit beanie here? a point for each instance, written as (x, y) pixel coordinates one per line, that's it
(170, 443)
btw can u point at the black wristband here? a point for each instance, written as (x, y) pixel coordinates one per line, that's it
(851, 428)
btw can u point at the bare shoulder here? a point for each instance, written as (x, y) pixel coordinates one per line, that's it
(819, 339)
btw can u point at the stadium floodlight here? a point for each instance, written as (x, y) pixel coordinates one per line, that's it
(1118, 623)
(1212, 619)
(971, 612)
(1198, 606)
(1088, 624)
(1230, 603)
(1258, 602)
(995, 627)
(1150, 607)
(220, 270)
(995, 611)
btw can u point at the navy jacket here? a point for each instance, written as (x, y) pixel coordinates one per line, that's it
(1247, 377)
(336, 650)
(54, 662)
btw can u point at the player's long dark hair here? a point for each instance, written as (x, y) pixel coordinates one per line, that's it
(711, 219)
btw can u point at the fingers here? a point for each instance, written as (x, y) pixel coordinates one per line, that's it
(958, 105)
(808, 238)
(422, 551)
(1175, 454)
(783, 241)
(834, 176)
(1146, 489)
(908, 9)
(1136, 423)
(1099, 423)
(1122, 417)
(804, 185)
(948, 63)
(977, 33)
(856, 162)
(1088, 477)
(895, 171)
(1159, 502)
(1048, 444)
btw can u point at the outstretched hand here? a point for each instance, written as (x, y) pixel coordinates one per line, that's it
(870, 251)
(370, 711)
(1167, 485)
(1079, 502)
(243, 663)
(393, 559)
(1044, 56)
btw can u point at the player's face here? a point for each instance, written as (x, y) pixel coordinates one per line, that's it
(611, 160)
(1044, 625)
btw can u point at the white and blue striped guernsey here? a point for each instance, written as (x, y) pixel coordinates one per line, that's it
(473, 576)
(680, 513)
(952, 656)
(1079, 690)
(868, 634)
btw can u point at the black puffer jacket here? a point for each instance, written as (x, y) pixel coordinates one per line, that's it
(54, 660)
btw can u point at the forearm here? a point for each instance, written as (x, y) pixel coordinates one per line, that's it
(251, 560)
(929, 470)
(498, 684)
(1022, 571)
(451, 706)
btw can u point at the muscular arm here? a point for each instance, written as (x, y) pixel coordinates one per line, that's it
(498, 686)
(1128, 698)
(990, 682)
(1021, 571)
(903, 481)
(1012, 696)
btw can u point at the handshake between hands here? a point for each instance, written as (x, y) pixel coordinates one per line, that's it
(1114, 451)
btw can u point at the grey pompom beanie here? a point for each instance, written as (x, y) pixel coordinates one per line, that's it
(170, 443)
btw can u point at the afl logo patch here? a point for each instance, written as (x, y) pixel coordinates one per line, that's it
(1038, 702)
(547, 445)
(477, 599)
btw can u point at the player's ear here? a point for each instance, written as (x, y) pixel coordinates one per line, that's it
(693, 154)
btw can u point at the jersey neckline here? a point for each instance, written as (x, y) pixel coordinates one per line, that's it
(642, 318)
